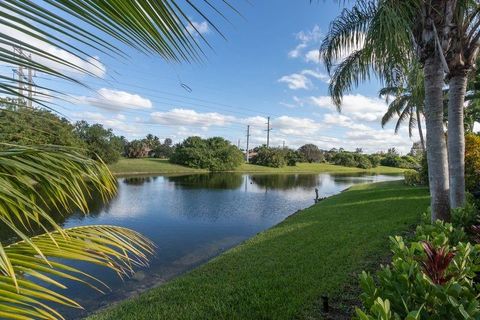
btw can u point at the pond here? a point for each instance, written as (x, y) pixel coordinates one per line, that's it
(193, 218)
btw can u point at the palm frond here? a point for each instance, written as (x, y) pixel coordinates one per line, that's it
(116, 248)
(396, 107)
(347, 32)
(34, 180)
(380, 32)
(351, 71)
(160, 27)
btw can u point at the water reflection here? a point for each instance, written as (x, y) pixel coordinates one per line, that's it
(208, 181)
(286, 181)
(138, 181)
(192, 218)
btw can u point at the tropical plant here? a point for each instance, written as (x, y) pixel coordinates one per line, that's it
(382, 38)
(136, 149)
(37, 179)
(460, 58)
(422, 282)
(407, 104)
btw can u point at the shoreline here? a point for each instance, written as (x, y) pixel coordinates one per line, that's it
(209, 261)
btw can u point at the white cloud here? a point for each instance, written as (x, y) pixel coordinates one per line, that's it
(305, 39)
(112, 99)
(84, 65)
(302, 80)
(296, 126)
(296, 81)
(317, 75)
(312, 56)
(189, 117)
(357, 106)
(118, 123)
(201, 27)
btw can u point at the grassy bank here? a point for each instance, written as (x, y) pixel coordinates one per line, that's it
(282, 272)
(160, 166)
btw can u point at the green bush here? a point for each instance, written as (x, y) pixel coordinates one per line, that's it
(214, 154)
(346, 159)
(275, 157)
(413, 178)
(350, 159)
(472, 162)
(432, 277)
(362, 161)
(393, 160)
(375, 159)
(422, 282)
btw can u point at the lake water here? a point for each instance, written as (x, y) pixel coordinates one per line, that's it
(193, 218)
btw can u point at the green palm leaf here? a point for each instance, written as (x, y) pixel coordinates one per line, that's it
(116, 248)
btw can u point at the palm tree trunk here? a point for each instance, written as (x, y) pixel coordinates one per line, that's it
(436, 144)
(456, 139)
(420, 131)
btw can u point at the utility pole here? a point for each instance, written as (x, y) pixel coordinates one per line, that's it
(283, 144)
(268, 131)
(238, 144)
(248, 140)
(24, 79)
(30, 87)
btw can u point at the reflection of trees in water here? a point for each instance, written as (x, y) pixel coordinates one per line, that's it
(208, 181)
(287, 181)
(138, 181)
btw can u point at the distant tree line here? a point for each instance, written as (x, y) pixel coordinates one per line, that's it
(36, 126)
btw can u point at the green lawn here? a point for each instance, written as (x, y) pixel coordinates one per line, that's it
(160, 166)
(282, 272)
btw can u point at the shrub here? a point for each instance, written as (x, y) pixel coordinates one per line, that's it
(292, 157)
(362, 161)
(472, 162)
(270, 157)
(215, 154)
(375, 160)
(413, 178)
(346, 159)
(423, 281)
(393, 160)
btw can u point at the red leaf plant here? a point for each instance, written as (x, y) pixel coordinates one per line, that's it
(437, 262)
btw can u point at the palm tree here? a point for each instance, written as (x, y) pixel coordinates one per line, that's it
(382, 38)
(460, 58)
(37, 179)
(407, 103)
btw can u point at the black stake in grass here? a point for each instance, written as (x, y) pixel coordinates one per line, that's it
(325, 303)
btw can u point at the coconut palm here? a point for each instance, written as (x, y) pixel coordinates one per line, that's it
(407, 104)
(460, 58)
(381, 38)
(37, 179)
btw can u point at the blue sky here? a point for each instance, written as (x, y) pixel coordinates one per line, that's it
(268, 66)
